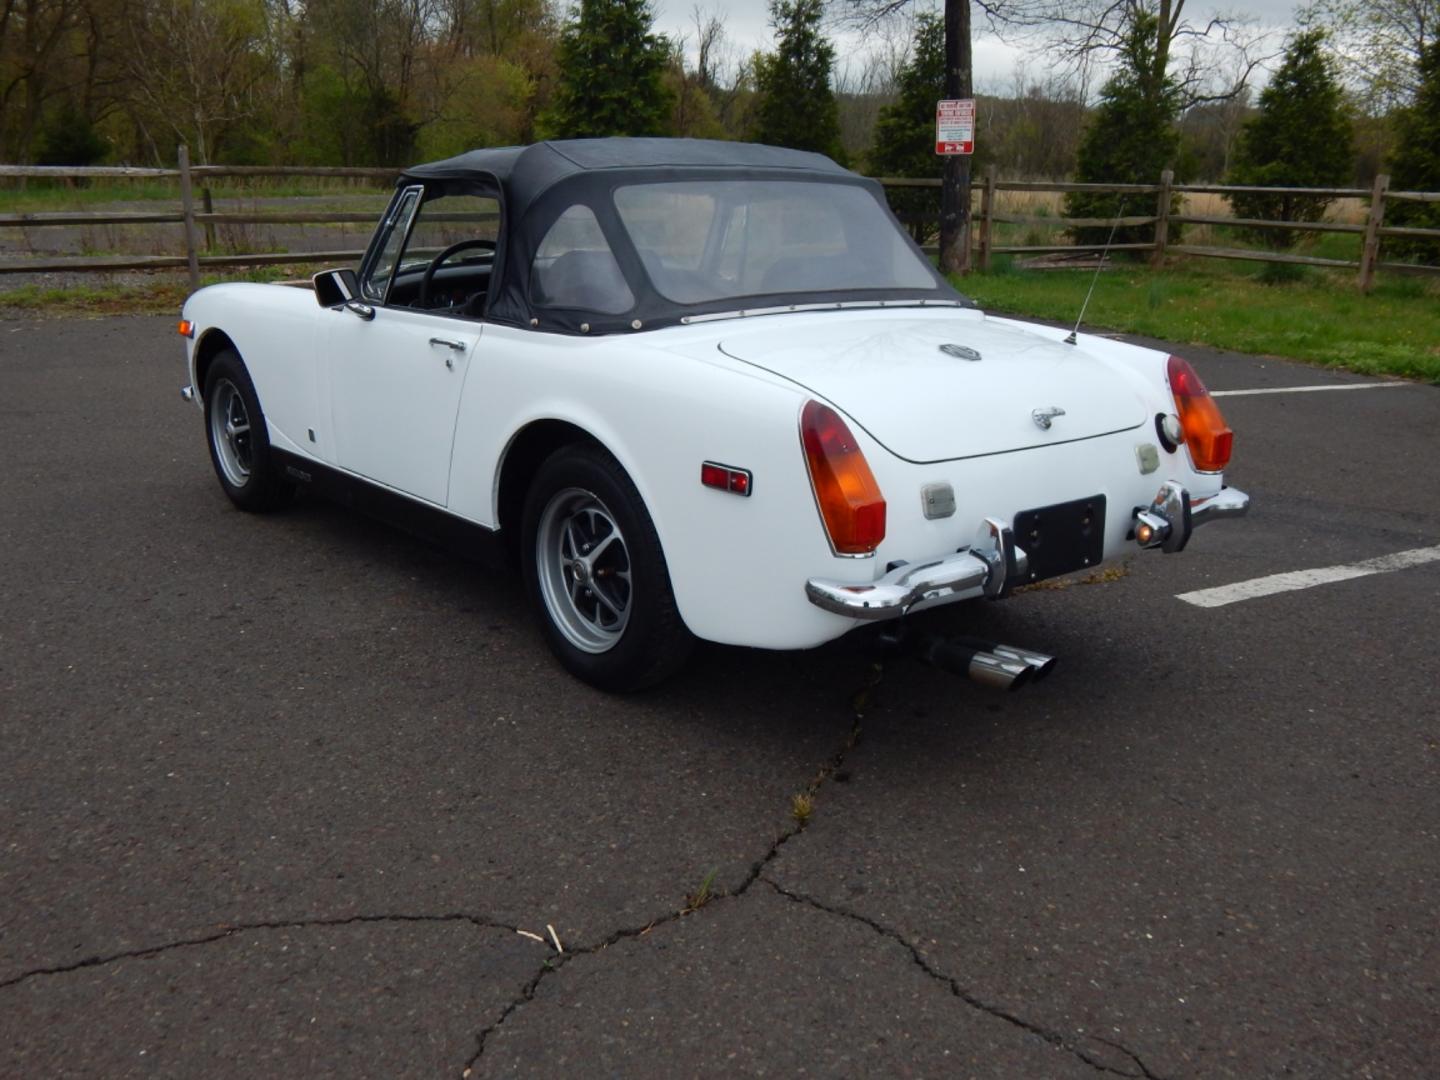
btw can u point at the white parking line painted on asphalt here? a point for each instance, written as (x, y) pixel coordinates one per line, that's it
(1312, 389)
(1305, 579)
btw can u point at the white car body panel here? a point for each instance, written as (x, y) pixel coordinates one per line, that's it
(927, 405)
(394, 387)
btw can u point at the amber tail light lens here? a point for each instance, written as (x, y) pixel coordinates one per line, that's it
(1206, 434)
(845, 490)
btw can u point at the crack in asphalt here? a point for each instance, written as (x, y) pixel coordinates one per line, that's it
(859, 701)
(1054, 1038)
(228, 930)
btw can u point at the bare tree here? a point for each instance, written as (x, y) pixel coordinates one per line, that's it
(1032, 129)
(215, 61)
(1209, 60)
(709, 45)
(696, 88)
(32, 34)
(1082, 33)
(1380, 43)
(865, 83)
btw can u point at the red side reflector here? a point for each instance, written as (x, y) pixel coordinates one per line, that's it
(726, 478)
(186, 328)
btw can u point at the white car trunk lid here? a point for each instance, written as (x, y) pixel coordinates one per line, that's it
(890, 375)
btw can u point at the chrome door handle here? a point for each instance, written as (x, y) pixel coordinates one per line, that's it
(458, 346)
(364, 311)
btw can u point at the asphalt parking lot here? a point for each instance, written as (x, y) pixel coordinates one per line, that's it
(278, 796)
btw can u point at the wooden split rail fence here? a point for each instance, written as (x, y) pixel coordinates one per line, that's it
(1372, 232)
(192, 221)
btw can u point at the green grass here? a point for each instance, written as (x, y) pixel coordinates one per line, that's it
(1320, 318)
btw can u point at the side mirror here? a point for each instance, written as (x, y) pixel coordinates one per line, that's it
(336, 287)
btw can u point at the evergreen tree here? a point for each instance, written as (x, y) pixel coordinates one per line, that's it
(1416, 163)
(795, 105)
(1300, 138)
(905, 130)
(612, 71)
(1131, 139)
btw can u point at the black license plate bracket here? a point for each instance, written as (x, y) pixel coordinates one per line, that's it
(1062, 538)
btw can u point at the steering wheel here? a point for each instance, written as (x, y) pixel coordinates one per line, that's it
(453, 249)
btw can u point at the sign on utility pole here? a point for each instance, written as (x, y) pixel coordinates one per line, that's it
(955, 126)
(955, 182)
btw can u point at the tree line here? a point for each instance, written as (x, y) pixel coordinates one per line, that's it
(389, 82)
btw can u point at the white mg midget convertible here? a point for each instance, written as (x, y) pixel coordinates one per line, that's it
(702, 390)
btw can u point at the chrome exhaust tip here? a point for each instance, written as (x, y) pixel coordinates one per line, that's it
(999, 672)
(985, 668)
(1039, 663)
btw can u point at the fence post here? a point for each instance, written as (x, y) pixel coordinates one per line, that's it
(1370, 251)
(1162, 219)
(209, 205)
(987, 211)
(187, 210)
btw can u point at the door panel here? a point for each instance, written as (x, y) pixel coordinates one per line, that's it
(394, 394)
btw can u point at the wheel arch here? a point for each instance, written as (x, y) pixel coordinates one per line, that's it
(213, 342)
(527, 449)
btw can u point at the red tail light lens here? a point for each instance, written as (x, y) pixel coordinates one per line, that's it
(1206, 434)
(845, 490)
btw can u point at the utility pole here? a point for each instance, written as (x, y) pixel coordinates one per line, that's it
(955, 183)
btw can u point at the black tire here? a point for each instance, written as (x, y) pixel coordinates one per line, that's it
(596, 573)
(239, 442)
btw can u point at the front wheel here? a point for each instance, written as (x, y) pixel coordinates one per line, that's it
(596, 573)
(239, 443)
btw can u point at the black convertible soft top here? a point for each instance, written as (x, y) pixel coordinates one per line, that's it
(536, 184)
(525, 173)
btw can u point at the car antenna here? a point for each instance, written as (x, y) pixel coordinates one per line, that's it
(1104, 254)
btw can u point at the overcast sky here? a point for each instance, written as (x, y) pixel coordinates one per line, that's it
(747, 28)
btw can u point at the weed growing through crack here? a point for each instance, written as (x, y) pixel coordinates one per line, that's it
(802, 805)
(703, 895)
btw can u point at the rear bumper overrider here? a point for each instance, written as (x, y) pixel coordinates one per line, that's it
(994, 565)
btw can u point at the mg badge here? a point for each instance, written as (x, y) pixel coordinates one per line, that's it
(960, 352)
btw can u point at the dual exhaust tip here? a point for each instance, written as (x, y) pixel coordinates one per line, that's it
(1001, 667)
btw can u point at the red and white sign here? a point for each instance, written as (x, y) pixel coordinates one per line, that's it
(955, 126)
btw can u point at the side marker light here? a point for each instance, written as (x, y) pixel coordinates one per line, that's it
(726, 478)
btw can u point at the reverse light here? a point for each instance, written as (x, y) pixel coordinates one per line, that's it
(186, 328)
(1206, 434)
(845, 489)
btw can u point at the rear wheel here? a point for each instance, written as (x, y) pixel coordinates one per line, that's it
(239, 444)
(596, 573)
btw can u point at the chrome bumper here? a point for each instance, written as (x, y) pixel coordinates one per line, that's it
(1228, 503)
(993, 565)
(1170, 519)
